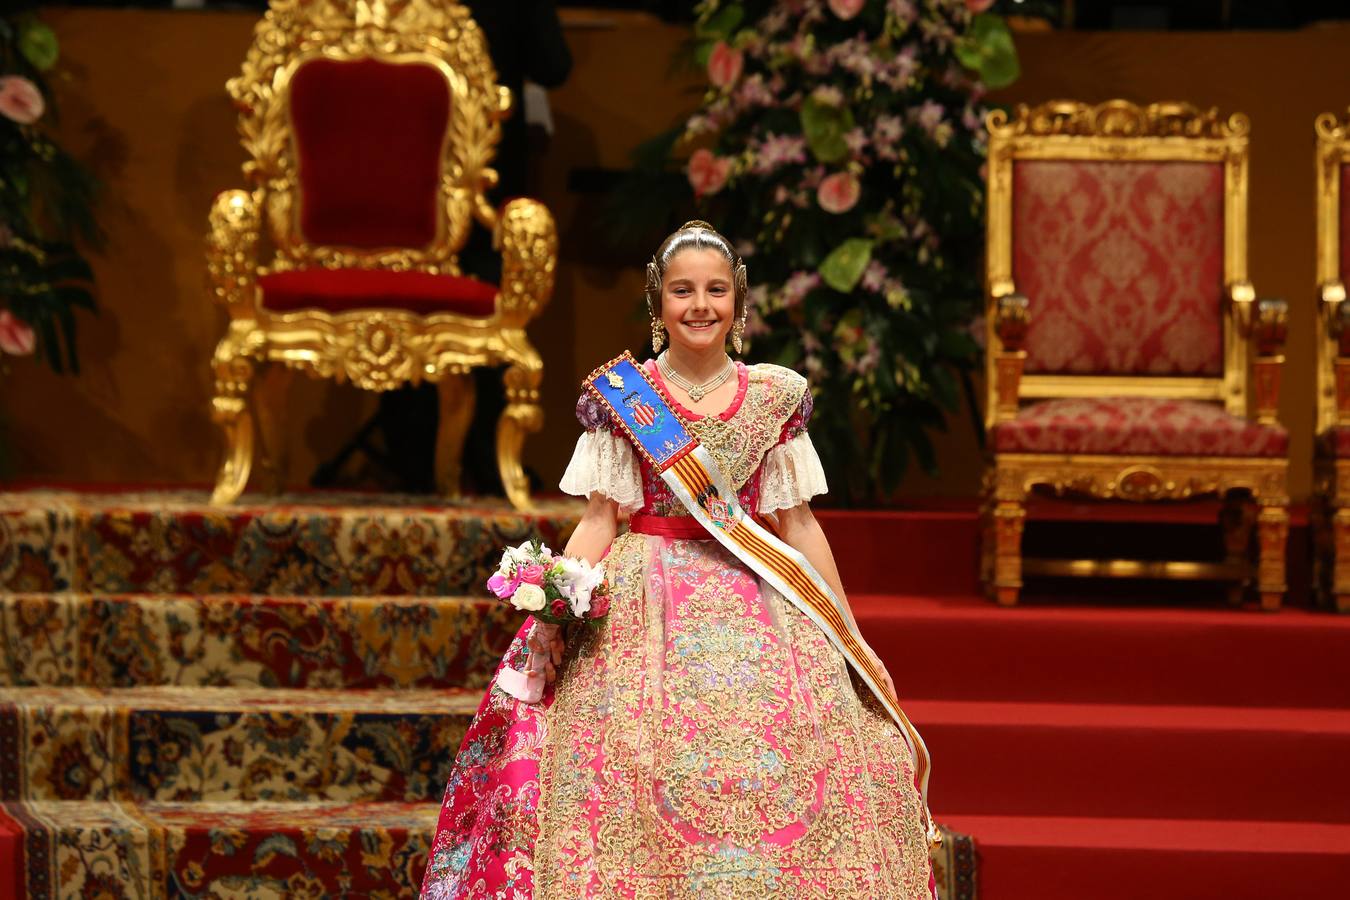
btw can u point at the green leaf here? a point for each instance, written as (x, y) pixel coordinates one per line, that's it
(38, 45)
(844, 266)
(724, 23)
(824, 127)
(988, 50)
(702, 51)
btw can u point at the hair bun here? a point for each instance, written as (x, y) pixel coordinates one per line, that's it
(697, 223)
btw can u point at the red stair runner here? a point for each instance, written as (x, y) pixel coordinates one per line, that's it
(1123, 753)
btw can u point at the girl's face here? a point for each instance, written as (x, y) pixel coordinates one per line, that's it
(698, 299)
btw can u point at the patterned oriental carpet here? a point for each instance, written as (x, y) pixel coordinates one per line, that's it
(258, 701)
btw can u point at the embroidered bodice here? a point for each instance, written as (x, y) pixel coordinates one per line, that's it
(759, 441)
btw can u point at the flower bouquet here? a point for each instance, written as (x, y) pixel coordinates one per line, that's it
(553, 588)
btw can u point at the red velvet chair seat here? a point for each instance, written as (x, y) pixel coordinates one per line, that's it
(1137, 426)
(343, 290)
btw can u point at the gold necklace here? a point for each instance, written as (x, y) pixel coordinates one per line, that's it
(696, 392)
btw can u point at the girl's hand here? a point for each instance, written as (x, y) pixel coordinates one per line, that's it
(545, 644)
(885, 676)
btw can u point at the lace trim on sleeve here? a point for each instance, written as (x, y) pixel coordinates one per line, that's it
(792, 474)
(604, 463)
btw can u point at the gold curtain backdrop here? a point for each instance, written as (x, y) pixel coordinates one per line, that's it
(144, 102)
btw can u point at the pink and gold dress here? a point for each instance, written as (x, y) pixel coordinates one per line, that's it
(706, 740)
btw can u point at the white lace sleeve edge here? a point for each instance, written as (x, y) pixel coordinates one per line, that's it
(792, 475)
(604, 463)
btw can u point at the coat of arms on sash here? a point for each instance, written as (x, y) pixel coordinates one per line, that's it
(720, 511)
(647, 418)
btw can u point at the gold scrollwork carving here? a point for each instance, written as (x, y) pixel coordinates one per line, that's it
(1116, 119)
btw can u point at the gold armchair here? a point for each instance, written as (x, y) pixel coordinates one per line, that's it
(370, 128)
(1125, 342)
(1331, 506)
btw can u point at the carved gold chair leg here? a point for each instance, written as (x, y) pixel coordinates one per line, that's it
(1273, 527)
(1238, 521)
(457, 405)
(234, 366)
(271, 390)
(1009, 516)
(1340, 567)
(521, 416)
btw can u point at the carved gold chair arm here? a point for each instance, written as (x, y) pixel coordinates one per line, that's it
(232, 251)
(1335, 314)
(528, 241)
(1241, 297)
(1012, 314)
(1270, 328)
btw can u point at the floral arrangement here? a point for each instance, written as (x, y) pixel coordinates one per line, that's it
(553, 588)
(46, 202)
(842, 142)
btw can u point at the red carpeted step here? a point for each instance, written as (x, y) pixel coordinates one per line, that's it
(242, 640)
(969, 649)
(1035, 858)
(931, 552)
(1170, 762)
(159, 850)
(934, 550)
(214, 744)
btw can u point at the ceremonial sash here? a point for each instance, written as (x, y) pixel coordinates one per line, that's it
(646, 416)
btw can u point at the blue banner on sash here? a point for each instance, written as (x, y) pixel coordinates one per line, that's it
(642, 410)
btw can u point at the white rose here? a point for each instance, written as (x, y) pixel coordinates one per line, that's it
(529, 597)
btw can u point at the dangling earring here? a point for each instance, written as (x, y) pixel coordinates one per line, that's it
(653, 289)
(658, 334)
(737, 329)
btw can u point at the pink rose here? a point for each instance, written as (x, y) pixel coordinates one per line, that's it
(599, 607)
(20, 100)
(847, 9)
(978, 6)
(839, 192)
(558, 608)
(503, 587)
(532, 575)
(708, 172)
(16, 338)
(724, 65)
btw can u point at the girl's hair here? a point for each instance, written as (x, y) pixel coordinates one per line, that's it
(695, 235)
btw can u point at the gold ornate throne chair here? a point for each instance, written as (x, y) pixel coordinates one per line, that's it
(1128, 357)
(1331, 506)
(370, 127)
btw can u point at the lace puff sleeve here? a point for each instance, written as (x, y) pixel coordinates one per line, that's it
(792, 473)
(603, 462)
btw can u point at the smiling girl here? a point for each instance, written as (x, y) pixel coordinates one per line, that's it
(724, 732)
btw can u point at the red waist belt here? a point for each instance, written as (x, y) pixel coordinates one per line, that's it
(686, 527)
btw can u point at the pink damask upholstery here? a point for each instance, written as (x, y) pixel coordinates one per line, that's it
(1123, 265)
(1137, 425)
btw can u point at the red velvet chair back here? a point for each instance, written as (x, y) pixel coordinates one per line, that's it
(370, 144)
(1123, 263)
